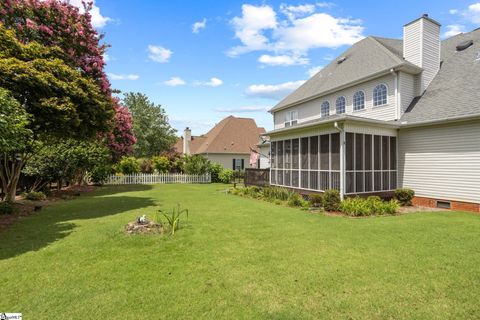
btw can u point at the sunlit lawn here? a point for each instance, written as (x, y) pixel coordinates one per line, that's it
(236, 259)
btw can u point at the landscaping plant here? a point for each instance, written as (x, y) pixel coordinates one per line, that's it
(404, 196)
(331, 200)
(173, 218)
(35, 196)
(7, 208)
(315, 200)
(226, 176)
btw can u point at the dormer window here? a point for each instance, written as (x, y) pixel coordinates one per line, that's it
(340, 105)
(325, 109)
(358, 101)
(291, 118)
(380, 95)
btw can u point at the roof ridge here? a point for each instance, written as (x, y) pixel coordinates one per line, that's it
(386, 50)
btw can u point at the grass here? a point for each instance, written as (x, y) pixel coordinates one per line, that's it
(236, 259)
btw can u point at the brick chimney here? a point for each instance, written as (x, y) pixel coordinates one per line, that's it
(421, 46)
(187, 137)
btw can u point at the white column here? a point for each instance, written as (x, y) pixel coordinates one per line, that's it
(342, 164)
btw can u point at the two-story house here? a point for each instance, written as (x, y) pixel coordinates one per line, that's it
(387, 113)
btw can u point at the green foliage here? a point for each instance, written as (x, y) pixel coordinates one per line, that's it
(366, 207)
(150, 125)
(226, 176)
(215, 170)
(146, 165)
(296, 200)
(316, 200)
(100, 172)
(331, 200)
(173, 218)
(161, 164)
(195, 164)
(35, 196)
(14, 134)
(276, 193)
(7, 208)
(127, 165)
(404, 196)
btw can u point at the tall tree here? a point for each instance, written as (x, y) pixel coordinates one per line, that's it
(150, 125)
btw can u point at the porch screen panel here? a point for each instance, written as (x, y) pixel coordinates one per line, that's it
(273, 161)
(359, 157)
(295, 162)
(288, 162)
(335, 161)
(368, 162)
(280, 154)
(349, 163)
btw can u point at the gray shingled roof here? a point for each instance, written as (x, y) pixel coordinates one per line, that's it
(365, 58)
(455, 90)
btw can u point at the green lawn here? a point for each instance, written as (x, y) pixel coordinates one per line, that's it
(237, 259)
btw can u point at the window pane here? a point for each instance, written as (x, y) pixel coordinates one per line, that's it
(304, 151)
(340, 105)
(324, 180)
(295, 155)
(377, 180)
(314, 180)
(335, 180)
(368, 152)
(314, 153)
(359, 182)
(358, 100)
(295, 178)
(358, 151)
(280, 177)
(325, 109)
(273, 153)
(273, 176)
(288, 154)
(393, 180)
(393, 153)
(368, 181)
(335, 145)
(385, 178)
(349, 181)
(304, 177)
(385, 152)
(325, 152)
(280, 154)
(377, 165)
(287, 181)
(349, 151)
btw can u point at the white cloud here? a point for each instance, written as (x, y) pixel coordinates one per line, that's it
(243, 109)
(174, 82)
(199, 25)
(214, 82)
(249, 28)
(314, 70)
(260, 29)
(159, 54)
(115, 76)
(270, 91)
(453, 30)
(106, 57)
(471, 14)
(283, 60)
(98, 21)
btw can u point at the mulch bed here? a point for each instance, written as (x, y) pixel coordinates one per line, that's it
(148, 227)
(27, 208)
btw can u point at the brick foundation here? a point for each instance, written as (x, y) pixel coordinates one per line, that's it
(455, 205)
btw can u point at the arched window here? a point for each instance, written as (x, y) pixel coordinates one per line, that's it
(359, 100)
(340, 105)
(325, 109)
(380, 95)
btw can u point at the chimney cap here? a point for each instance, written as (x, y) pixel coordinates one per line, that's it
(426, 17)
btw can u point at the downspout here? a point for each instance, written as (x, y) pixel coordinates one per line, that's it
(342, 159)
(396, 81)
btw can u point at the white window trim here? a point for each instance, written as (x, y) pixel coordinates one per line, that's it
(344, 107)
(293, 120)
(364, 100)
(321, 109)
(373, 96)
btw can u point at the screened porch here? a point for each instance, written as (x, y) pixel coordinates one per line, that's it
(314, 163)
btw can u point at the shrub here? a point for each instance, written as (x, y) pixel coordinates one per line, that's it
(195, 164)
(226, 176)
(404, 196)
(100, 173)
(275, 193)
(315, 200)
(7, 208)
(295, 200)
(35, 196)
(128, 165)
(215, 170)
(161, 164)
(331, 200)
(391, 207)
(356, 207)
(146, 166)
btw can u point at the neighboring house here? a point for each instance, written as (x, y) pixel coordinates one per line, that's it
(229, 143)
(387, 113)
(263, 147)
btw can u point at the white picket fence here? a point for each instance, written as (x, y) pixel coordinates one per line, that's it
(162, 178)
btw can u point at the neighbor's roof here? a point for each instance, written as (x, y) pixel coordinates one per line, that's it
(231, 135)
(367, 58)
(455, 90)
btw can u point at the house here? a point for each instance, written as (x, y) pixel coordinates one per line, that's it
(228, 143)
(263, 147)
(387, 113)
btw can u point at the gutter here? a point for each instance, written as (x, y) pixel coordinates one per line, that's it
(405, 124)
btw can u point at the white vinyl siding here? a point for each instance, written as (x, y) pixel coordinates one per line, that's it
(441, 162)
(407, 90)
(311, 110)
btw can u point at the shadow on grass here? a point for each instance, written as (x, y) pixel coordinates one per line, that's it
(54, 222)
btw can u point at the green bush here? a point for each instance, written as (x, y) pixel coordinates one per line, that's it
(226, 176)
(195, 164)
(215, 170)
(404, 196)
(391, 207)
(161, 164)
(100, 173)
(7, 208)
(331, 200)
(128, 165)
(315, 200)
(35, 196)
(296, 200)
(276, 193)
(358, 207)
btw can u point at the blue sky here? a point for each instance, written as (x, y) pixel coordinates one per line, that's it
(204, 60)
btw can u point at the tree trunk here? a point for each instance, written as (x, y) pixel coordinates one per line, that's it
(9, 176)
